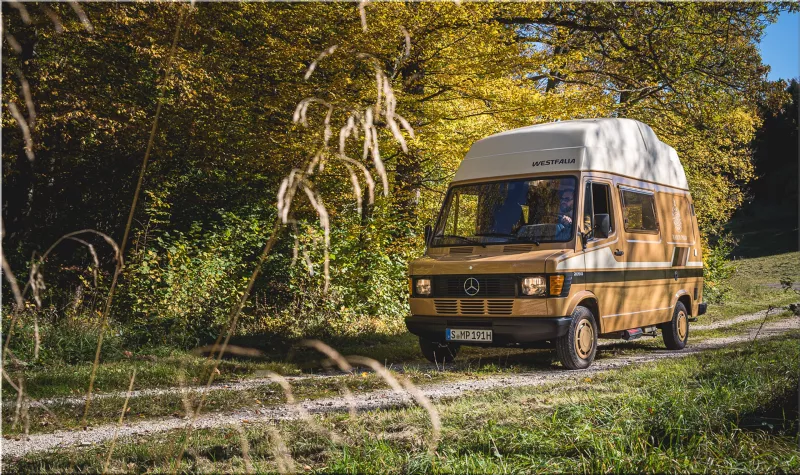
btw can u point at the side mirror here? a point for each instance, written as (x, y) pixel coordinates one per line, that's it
(602, 225)
(428, 234)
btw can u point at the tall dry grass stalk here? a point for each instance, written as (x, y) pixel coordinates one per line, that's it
(299, 409)
(23, 12)
(87, 25)
(119, 423)
(137, 192)
(343, 365)
(404, 385)
(24, 127)
(53, 16)
(283, 457)
(248, 464)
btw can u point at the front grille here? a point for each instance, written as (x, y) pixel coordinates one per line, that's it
(488, 286)
(473, 307)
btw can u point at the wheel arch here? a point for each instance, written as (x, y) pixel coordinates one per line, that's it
(683, 297)
(589, 300)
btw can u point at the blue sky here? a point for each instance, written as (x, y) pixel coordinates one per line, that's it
(779, 47)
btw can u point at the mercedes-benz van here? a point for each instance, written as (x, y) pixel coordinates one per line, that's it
(556, 235)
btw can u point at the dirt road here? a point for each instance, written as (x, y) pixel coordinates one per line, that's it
(371, 400)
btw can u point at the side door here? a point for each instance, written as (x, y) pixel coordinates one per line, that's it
(605, 265)
(647, 291)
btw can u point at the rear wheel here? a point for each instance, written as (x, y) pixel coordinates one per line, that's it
(577, 349)
(676, 331)
(437, 352)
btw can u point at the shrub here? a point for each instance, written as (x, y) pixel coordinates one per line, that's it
(717, 269)
(368, 282)
(180, 286)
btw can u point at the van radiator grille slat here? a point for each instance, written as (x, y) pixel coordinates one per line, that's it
(473, 307)
(446, 307)
(488, 286)
(500, 307)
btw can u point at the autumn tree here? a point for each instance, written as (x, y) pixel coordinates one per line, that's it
(229, 131)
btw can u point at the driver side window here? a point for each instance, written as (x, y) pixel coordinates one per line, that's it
(597, 201)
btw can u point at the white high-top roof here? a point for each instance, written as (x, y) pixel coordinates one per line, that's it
(620, 146)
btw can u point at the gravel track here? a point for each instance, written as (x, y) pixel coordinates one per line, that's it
(741, 318)
(260, 382)
(382, 399)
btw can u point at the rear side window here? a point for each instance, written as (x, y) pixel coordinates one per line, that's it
(639, 211)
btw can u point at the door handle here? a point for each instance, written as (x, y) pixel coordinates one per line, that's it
(619, 252)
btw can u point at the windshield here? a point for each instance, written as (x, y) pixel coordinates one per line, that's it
(541, 210)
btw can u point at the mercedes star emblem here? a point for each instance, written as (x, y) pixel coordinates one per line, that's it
(471, 286)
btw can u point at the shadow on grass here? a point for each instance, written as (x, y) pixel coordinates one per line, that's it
(778, 417)
(764, 230)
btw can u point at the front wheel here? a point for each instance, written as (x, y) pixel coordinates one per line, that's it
(676, 331)
(577, 349)
(437, 352)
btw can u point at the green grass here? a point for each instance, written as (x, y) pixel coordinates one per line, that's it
(750, 290)
(154, 372)
(729, 410)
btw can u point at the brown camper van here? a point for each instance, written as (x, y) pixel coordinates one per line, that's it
(557, 235)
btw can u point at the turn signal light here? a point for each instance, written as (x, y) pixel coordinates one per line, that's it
(556, 284)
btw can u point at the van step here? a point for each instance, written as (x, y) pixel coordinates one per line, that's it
(632, 334)
(635, 333)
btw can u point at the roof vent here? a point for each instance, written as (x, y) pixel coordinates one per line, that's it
(517, 248)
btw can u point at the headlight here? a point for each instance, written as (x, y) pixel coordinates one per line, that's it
(534, 286)
(423, 286)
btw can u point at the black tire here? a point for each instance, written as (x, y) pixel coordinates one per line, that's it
(676, 331)
(437, 352)
(577, 349)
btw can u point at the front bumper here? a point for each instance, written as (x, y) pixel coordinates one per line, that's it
(505, 331)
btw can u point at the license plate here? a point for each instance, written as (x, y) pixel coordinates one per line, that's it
(463, 334)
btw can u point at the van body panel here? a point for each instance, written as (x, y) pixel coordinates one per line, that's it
(490, 262)
(650, 259)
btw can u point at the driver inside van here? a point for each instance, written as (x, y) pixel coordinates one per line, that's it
(564, 224)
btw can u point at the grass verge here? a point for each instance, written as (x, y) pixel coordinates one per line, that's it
(732, 409)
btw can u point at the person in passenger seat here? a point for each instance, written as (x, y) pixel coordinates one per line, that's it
(509, 216)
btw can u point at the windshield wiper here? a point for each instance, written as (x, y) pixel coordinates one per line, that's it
(534, 241)
(464, 239)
